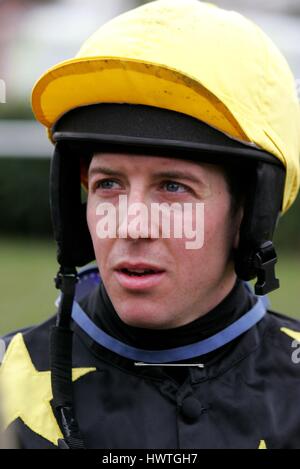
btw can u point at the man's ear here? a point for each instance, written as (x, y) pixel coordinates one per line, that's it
(239, 217)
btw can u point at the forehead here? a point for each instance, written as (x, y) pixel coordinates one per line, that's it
(150, 164)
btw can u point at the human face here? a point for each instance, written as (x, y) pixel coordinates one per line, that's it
(192, 281)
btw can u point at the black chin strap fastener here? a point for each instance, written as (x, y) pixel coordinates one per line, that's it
(264, 262)
(66, 280)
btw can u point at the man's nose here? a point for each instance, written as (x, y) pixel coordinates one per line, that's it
(135, 215)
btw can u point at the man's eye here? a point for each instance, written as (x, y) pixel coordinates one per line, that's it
(105, 184)
(175, 187)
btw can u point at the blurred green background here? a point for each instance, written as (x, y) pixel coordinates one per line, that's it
(34, 35)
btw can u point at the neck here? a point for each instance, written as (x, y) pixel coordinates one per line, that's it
(233, 305)
(213, 297)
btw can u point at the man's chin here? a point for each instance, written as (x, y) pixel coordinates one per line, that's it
(141, 317)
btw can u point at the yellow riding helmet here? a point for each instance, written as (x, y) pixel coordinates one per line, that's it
(190, 57)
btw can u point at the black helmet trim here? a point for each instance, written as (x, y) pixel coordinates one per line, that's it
(137, 128)
(74, 244)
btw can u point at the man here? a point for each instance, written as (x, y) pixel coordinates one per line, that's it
(186, 107)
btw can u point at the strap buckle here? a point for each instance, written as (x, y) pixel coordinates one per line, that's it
(67, 275)
(264, 262)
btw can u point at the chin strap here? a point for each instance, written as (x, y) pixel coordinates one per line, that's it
(61, 361)
(264, 263)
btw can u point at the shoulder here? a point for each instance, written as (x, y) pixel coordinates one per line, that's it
(29, 348)
(283, 327)
(280, 345)
(34, 337)
(31, 340)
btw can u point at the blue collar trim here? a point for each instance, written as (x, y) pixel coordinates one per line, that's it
(241, 325)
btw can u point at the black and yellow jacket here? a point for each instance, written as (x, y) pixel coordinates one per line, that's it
(245, 395)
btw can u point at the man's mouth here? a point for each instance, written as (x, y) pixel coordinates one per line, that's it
(139, 272)
(135, 278)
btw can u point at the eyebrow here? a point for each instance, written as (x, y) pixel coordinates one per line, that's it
(174, 174)
(104, 170)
